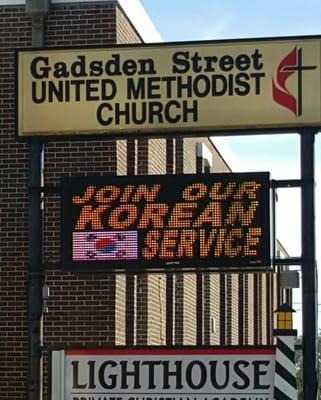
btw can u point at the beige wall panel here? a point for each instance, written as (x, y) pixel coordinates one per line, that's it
(121, 157)
(156, 309)
(264, 316)
(250, 299)
(219, 164)
(189, 154)
(215, 309)
(275, 298)
(120, 310)
(126, 33)
(157, 157)
(189, 309)
(235, 309)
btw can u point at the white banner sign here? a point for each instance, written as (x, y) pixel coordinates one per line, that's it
(163, 374)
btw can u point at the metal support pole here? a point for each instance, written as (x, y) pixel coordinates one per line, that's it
(37, 9)
(199, 283)
(35, 277)
(309, 289)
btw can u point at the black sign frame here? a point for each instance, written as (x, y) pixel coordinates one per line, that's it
(70, 214)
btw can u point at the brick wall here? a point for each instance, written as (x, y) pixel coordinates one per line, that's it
(81, 308)
(179, 309)
(86, 309)
(81, 24)
(15, 32)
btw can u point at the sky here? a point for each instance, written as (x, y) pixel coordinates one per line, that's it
(184, 20)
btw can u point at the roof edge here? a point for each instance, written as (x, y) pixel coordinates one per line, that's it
(138, 16)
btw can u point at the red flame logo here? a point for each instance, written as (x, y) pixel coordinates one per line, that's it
(281, 94)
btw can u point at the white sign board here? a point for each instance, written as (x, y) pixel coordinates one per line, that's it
(163, 374)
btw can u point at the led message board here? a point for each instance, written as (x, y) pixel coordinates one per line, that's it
(172, 87)
(149, 222)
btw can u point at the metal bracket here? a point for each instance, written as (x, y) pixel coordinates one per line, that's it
(286, 183)
(287, 261)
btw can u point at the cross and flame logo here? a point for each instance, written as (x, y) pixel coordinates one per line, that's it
(291, 64)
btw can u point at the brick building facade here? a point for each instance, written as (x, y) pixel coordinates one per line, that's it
(104, 310)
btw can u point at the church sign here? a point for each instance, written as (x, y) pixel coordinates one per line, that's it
(172, 87)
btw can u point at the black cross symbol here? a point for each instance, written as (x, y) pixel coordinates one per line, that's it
(300, 68)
